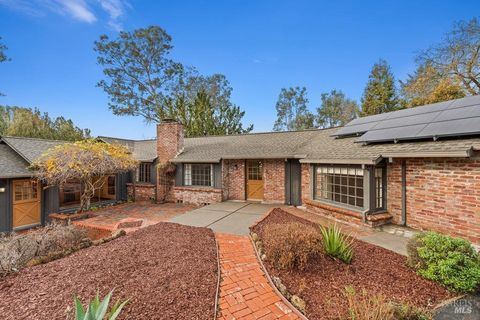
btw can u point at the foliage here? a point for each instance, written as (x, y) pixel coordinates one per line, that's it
(139, 74)
(380, 94)
(25, 122)
(336, 244)
(292, 111)
(457, 57)
(366, 306)
(86, 161)
(3, 56)
(452, 262)
(201, 117)
(16, 250)
(427, 85)
(291, 245)
(335, 110)
(410, 312)
(141, 80)
(97, 310)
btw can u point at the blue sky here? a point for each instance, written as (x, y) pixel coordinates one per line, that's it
(261, 46)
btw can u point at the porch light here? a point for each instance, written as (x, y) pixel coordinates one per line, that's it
(2, 190)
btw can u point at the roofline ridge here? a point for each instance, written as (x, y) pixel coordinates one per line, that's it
(37, 139)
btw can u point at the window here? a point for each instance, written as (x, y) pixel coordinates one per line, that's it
(143, 172)
(25, 190)
(340, 184)
(196, 174)
(379, 188)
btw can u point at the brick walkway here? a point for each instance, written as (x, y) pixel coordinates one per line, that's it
(245, 292)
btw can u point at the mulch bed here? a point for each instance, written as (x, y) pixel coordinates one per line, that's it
(375, 269)
(167, 271)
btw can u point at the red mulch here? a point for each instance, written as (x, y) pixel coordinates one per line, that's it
(168, 271)
(375, 269)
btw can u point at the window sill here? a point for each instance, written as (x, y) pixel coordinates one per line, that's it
(141, 184)
(198, 188)
(358, 213)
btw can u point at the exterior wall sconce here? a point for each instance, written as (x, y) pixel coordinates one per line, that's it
(2, 190)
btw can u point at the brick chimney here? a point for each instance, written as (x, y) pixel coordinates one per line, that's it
(169, 140)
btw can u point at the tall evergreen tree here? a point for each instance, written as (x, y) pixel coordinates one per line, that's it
(292, 111)
(335, 110)
(3, 56)
(380, 94)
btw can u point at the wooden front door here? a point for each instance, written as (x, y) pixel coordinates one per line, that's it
(26, 203)
(254, 180)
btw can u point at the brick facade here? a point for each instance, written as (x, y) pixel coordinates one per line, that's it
(274, 181)
(442, 195)
(197, 196)
(306, 188)
(233, 179)
(143, 191)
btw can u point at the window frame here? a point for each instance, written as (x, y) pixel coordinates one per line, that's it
(340, 203)
(188, 178)
(144, 172)
(369, 187)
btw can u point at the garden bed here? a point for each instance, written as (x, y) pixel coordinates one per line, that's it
(167, 271)
(378, 271)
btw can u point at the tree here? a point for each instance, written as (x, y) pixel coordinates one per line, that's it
(87, 161)
(457, 57)
(380, 93)
(428, 85)
(201, 117)
(3, 56)
(139, 74)
(198, 98)
(335, 110)
(292, 111)
(25, 122)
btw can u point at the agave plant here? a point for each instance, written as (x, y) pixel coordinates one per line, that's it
(336, 244)
(97, 310)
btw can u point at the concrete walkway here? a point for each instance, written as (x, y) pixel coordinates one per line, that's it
(245, 292)
(225, 217)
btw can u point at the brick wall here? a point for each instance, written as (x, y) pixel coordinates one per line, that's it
(274, 181)
(306, 193)
(143, 191)
(443, 195)
(233, 179)
(197, 196)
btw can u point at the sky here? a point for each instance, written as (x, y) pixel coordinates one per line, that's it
(261, 46)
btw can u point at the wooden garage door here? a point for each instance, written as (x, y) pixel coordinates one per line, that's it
(26, 203)
(254, 180)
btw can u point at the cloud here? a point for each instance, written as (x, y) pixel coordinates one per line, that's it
(79, 10)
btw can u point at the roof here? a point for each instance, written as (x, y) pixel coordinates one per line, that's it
(142, 150)
(30, 149)
(12, 165)
(316, 145)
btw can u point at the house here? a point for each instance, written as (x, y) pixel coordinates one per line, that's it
(418, 167)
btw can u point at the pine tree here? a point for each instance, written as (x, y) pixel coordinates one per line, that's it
(380, 94)
(292, 111)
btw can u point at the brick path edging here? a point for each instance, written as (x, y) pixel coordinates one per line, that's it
(219, 277)
(284, 299)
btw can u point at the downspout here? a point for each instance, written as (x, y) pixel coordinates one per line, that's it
(404, 193)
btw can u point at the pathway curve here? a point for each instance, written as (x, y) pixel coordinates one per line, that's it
(245, 292)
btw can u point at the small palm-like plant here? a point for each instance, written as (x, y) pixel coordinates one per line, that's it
(336, 244)
(97, 310)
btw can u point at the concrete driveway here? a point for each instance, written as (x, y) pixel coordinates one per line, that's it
(226, 217)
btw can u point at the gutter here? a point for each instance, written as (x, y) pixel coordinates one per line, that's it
(341, 161)
(445, 154)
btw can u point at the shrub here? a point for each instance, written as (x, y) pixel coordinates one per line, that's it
(453, 262)
(17, 250)
(336, 244)
(291, 245)
(410, 312)
(97, 310)
(365, 306)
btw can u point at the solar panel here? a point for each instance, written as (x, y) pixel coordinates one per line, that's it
(449, 118)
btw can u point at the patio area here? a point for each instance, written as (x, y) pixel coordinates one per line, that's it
(133, 216)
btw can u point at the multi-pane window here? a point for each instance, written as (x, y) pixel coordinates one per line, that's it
(254, 170)
(144, 172)
(198, 174)
(25, 190)
(379, 190)
(340, 184)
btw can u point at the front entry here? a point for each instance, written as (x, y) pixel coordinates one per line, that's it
(254, 180)
(26, 203)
